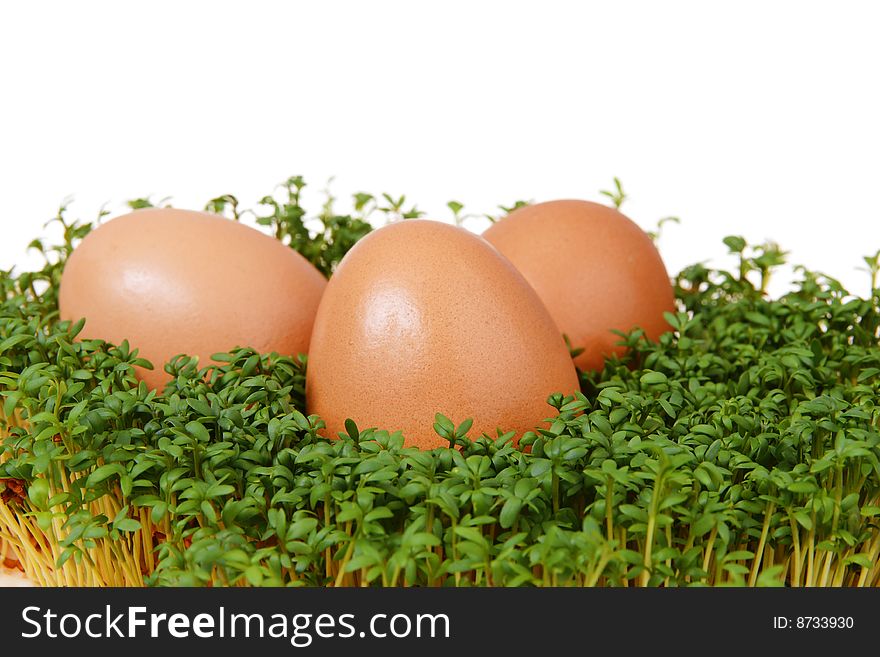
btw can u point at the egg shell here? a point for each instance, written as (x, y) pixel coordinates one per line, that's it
(422, 317)
(176, 281)
(594, 269)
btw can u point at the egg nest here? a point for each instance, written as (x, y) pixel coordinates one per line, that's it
(742, 448)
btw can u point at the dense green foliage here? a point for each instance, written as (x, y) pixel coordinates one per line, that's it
(742, 448)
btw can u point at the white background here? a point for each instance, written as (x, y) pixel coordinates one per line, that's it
(755, 118)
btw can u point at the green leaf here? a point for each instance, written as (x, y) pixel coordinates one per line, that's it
(127, 525)
(103, 473)
(443, 426)
(198, 431)
(803, 519)
(653, 379)
(38, 493)
(510, 512)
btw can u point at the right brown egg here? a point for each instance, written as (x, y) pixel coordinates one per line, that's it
(594, 269)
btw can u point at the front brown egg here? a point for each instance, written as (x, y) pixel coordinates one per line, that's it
(422, 317)
(594, 269)
(181, 282)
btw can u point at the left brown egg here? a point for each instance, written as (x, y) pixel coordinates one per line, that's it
(182, 282)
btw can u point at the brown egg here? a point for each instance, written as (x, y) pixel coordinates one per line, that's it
(422, 317)
(176, 281)
(594, 269)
